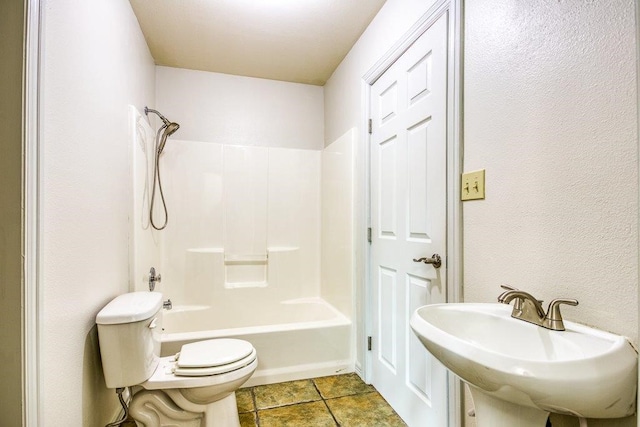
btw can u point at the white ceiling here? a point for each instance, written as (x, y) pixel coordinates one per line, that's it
(292, 40)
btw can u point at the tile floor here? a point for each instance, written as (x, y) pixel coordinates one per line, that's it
(339, 400)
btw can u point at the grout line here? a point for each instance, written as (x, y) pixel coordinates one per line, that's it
(313, 381)
(255, 407)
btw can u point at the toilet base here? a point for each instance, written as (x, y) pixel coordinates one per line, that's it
(157, 408)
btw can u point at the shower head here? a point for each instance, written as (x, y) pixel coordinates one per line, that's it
(169, 130)
(169, 127)
(172, 128)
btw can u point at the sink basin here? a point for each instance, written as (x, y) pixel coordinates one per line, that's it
(512, 365)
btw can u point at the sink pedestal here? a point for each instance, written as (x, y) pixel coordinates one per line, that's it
(493, 412)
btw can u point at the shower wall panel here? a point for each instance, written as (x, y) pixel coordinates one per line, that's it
(239, 217)
(337, 222)
(245, 171)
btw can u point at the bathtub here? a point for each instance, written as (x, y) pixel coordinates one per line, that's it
(295, 339)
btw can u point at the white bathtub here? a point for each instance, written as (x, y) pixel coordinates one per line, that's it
(294, 339)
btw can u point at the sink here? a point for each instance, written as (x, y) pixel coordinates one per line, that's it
(519, 372)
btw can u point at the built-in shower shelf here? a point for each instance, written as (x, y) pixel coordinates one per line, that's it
(242, 259)
(238, 285)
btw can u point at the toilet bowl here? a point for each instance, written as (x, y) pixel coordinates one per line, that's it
(195, 387)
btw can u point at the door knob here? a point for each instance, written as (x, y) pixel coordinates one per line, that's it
(435, 260)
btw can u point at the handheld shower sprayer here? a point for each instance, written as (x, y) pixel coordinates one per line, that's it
(167, 129)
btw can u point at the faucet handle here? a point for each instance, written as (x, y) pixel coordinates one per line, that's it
(554, 317)
(517, 305)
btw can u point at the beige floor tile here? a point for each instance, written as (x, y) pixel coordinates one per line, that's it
(274, 395)
(368, 409)
(244, 400)
(248, 419)
(312, 414)
(342, 385)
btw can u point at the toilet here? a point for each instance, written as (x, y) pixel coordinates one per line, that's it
(193, 388)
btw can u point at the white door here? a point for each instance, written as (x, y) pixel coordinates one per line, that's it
(408, 220)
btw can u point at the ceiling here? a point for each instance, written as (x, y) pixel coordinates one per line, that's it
(299, 41)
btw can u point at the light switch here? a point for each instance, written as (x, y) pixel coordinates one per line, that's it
(472, 185)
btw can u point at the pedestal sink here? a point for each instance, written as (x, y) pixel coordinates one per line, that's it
(519, 372)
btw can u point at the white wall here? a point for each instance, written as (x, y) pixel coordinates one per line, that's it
(95, 63)
(214, 107)
(550, 112)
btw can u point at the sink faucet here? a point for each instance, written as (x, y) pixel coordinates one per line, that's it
(529, 309)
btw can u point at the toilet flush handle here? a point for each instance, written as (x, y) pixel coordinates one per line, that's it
(154, 323)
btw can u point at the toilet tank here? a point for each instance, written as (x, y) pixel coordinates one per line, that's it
(129, 332)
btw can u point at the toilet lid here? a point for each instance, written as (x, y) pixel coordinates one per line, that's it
(215, 370)
(213, 353)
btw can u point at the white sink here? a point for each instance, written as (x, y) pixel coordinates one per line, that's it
(520, 371)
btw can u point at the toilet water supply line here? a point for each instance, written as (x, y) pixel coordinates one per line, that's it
(125, 416)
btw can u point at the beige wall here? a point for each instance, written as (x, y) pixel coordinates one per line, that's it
(550, 113)
(11, 65)
(95, 63)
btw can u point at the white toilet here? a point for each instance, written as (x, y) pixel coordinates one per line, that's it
(194, 388)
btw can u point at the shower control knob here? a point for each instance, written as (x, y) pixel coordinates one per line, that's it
(153, 279)
(167, 305)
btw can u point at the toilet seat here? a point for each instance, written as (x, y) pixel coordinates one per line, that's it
(214, 370)
(168, 375)
(213, 357)
(215, 352)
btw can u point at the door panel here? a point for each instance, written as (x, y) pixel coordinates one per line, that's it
(408, 217)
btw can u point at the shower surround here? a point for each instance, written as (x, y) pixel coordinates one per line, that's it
(241, 255)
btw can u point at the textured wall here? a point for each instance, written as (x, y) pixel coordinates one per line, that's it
(11, 30)
(550, 112)
(214, 107)
(95, 63)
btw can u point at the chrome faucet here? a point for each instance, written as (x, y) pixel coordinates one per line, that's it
(529, 309)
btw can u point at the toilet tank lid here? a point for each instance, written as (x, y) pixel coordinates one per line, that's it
(130, 307)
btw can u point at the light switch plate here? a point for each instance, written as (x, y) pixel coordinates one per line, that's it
(472, 185)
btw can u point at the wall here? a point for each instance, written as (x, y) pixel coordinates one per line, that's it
(11, 65)
(343, 110)
(550, 112)
(95, 63)
(213, 107)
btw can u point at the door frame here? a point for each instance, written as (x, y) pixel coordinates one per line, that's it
(32, 220)
(454, 164)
